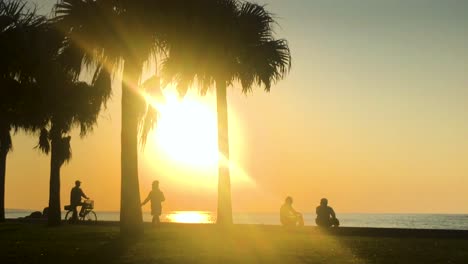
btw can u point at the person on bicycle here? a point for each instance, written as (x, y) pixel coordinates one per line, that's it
(157, 197)
(75, 199)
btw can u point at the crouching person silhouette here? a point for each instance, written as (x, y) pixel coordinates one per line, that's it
(289, 216)
(326, 216)
(156, 196)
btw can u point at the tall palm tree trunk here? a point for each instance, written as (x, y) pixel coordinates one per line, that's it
(54, 216)
(5, 146)
(3, 156)
(131, 221)
(224, 215)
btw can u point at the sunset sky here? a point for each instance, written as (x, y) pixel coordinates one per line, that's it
(373, 116)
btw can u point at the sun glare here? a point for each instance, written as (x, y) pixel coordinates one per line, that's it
(187, 130)
(184, 143)
(191, 217)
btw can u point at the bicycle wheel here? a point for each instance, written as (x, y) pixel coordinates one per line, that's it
(68, 216)
(90, 217)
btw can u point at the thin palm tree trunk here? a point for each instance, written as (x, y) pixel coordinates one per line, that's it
(224, 215)
(54, 216)
(5, 144)
(3, 156)
(131, 220)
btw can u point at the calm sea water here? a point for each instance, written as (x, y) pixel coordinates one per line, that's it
(416, 221)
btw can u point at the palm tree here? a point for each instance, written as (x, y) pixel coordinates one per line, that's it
(53, 101)
(16, 24)
(226, 41)
(70, 103)
(117, 33)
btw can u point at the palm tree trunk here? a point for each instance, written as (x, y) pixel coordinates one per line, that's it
(131, 220)
(224, 182)
(5, 146)
(3, 156)
(54, 217)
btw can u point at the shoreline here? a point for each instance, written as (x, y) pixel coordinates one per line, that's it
(15, 210)
(340, 231)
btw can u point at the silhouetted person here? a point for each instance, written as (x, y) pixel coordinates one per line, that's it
(156, 196)
(325, 215)
(35, 215)
(289, 216)
(75, 200)
(45, 212)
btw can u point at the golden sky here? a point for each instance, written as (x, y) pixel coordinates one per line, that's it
(373, 116)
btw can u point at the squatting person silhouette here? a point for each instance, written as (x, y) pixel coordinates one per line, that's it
(289, 216)
(75, 199)
(156, 196)
(326, 216)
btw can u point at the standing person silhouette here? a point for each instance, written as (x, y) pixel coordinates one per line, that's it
(326, 216)
(156, 196)
(75, 199)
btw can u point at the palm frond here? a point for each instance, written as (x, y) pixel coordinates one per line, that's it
(149, 121)
(15, 15)
(102, 83)
(265, 64)
(64, 153)
(152, 84)
(153, 87)
(228, 39)
(255, 22)
(44, 143)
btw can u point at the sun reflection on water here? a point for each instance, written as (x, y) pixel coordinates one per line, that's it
(190, 217)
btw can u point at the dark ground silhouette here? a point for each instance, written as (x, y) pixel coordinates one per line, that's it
(189, 243)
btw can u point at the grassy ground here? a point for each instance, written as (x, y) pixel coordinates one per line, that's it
(35, 243)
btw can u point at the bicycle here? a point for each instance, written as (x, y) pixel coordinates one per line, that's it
(86, 213)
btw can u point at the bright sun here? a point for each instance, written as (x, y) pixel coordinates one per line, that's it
(186, 130)
(184, 143)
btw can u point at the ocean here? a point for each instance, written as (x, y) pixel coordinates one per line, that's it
(412, 221)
